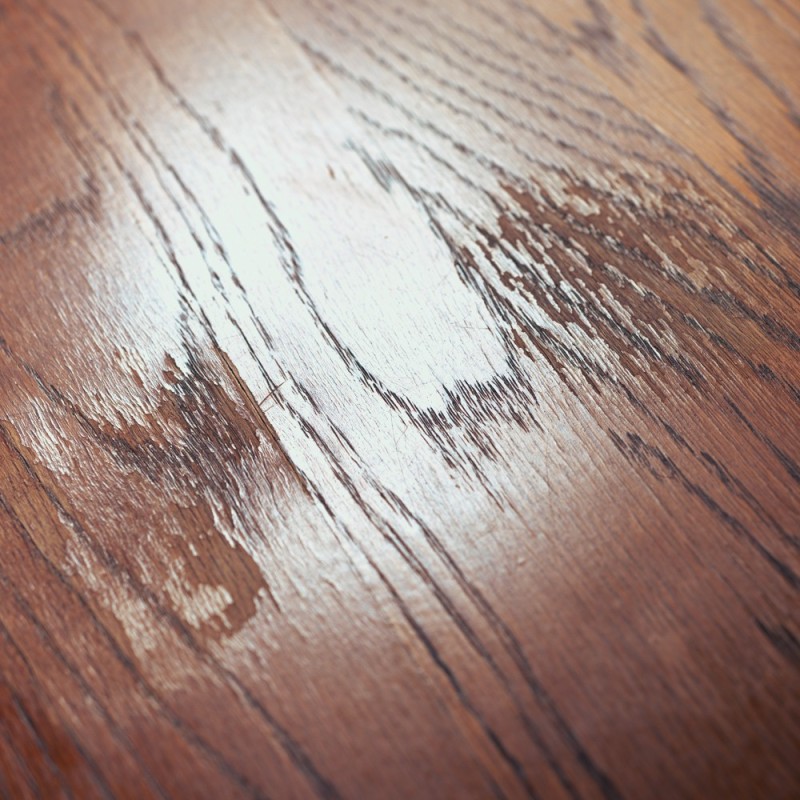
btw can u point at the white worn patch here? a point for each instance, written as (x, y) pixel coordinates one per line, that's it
(198, 604)
(387, 287)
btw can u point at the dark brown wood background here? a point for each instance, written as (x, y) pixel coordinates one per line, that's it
(399, 400)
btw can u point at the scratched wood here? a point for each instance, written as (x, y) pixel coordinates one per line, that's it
(399, 400)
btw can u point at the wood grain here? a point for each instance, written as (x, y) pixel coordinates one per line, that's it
(399, 400)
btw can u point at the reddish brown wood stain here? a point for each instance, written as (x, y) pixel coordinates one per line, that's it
(399, 400)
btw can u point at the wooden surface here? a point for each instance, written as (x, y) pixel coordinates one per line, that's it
(399, 400)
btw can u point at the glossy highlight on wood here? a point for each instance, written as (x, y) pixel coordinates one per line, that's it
(399, 400)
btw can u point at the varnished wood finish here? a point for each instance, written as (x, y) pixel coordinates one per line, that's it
(399, 400)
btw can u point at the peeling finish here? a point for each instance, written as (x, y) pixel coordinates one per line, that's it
(399, 399)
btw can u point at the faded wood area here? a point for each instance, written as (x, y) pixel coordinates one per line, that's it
(399, 400)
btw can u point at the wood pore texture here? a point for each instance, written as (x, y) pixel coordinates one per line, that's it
(399, 400)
